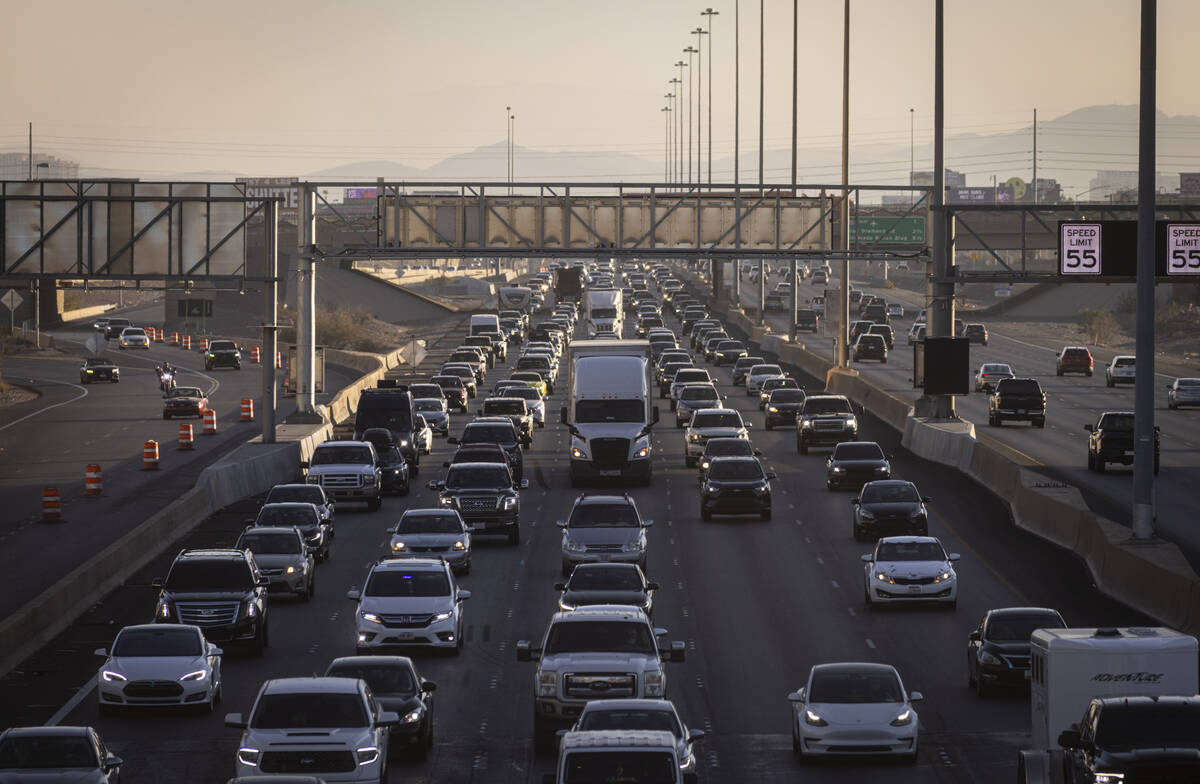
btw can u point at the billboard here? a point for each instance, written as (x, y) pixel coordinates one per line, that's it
(361, 193)
(275, 187)
(970, 195)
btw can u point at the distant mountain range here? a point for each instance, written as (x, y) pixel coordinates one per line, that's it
(1071, 149)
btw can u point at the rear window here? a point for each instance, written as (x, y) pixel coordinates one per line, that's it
(762, 370)
(683, 376)
(1020, 386)
(503, 407)
(702, 419)
(341, 455)
(698, 393)
(1117, 422)
(1125, 362)
(1076, 353)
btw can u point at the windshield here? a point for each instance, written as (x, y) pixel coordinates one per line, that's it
(827, 405)
(850, 687)
(389, 418)
(381, 678)
(723, 447)
(427, 405)
(429, 524)
(271, 544)
(910, 551)
(222, 345)
(604, 516)
(633, 719)
(157, 642)
(610, 411)
(490, 476)
(889, 494)
(701, 419)
(600, 637)
(765, 370)
(604, 313)
(525, 393)
(698, 393)
(404, 582)
(464, 356)
(1124, 362)
(461, 372)
(295, 494)
(735, 469)
(605, 579)
(1118, 422)
(534, 362)
(1020, 386)
(53, 751)
(448, 382)
(788, 396)
(309, 710)
(730, 345)
(870, 340)
(997, 369)
(506, 407)
(1155, 726)
(488, 434)
(185, 392)
(287, 515)
(223, 574)
(94, 361)
(1019, 628)
(687, 375)
(1188, 382)
(857, 452)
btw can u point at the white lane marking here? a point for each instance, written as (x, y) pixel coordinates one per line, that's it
(870, 643)
(49, 408)
(820, 560)
(851, 611)
(834, 583)
(73, 703)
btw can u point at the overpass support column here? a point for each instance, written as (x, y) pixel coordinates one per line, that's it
(306, 315)
(940, 317)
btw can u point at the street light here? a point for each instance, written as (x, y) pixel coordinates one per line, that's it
(699, 32)
(508, 147)
(737, 99)
(680, 65)
(710, 14)
(762, 76)
(666, 110)
(689, 51)
(670, 135)
(42, 166)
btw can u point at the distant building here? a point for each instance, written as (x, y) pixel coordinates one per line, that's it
(1122, 185)
(954, 179)
(15, 166)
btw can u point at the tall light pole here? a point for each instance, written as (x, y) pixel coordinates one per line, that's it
(666, 110)
(700, 32)
(710, 14)
(679, 90)
(508, 148)
(737, 96)
(512, 152)
(795, 122)
(912, 152)
(689, 51)
(844, 295)
(762, 75)
(1144, 436)
(670, 136)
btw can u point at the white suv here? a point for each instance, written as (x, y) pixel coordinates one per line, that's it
(1122, 370)
(407, 602)
(327, 727)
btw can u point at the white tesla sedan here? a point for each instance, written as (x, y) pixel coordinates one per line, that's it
(854, 708)
(160, 664)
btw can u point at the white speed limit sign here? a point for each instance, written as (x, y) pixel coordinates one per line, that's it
(1080, 244)
(1183, 249)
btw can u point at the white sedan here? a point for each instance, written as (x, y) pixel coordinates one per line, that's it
(910, 569)
(854, 708)
(759, 374)
(160, 664)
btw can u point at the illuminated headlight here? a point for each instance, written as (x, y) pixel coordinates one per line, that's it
(883, 577)
(882, 469)
(251, 610)
(443, 616)
(944, 577)
(704, 465)
(987, 658)
(248, 756)
(838, 470)
(366, 755)
(806, 424)
(575, 547)
(904, 718)
(412, 717)
(851, 422)
(632, 546)
(762, 489)
(511, 502)
(773, 409)
(89, 371)
(197, 675)
(459, 546)
(369, 617)
(112, 676)
(643, 451)
(547, 684)
(446, 501)
(565, 606)
(399, 547)
(866, 514)
(814, 720)
(163, 610)
(655, 684)
(743, 434)
(694, 437)
(1109, 778)
(404, 442)
(576, 452)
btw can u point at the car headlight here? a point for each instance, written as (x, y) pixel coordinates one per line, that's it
(547, 684)
(707, 489)
(806, 424)
(511, 502)
(163, 610)
(366, 754)
(762, 489)
(251, 609)
(413, 716)
(112, 676)
(694, 437)
(632, 546)
(446, 501)
(313, 480)
(866, 514)
(459, 546)
(851, 422)
(576, 452)
(743, 434)
(773, 409)
(566, 606)
(814, 720)
(399, 547)
(443, 616)
(89, 371)
(904, 718)
(643, 451)
(248, 756)
(944, 576)
(883, 577)
(838, 470)
(575, 547)
(369, 480)
(655, 684)
(197, 675)
(704, 465)
(369, 617)
(290, 570)
(404, 442)
(988, 658)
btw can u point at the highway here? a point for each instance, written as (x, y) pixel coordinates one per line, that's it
(51, 440)
(1060, 450)
(757, 602)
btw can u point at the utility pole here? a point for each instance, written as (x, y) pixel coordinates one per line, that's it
(677, 88)
(795, 123)
(681, 65)
(941, 303)
(670, 136)
(912, 153)
(508, 147)
(700, 32)
(689, 51)
(737, 98)
(1143, 388)
(1035, 193)
(666, 110)
(710, 14)
(844, 296)
(762, 75)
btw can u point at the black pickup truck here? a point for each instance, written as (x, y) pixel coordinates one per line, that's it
(1017, 398)
(1134, 739)
(1110, 440)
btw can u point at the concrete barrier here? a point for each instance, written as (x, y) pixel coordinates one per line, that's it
(948, 443)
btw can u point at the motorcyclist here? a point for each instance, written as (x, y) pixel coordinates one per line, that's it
(166, 375)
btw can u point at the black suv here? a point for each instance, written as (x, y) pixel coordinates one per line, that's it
(808, 320)
(390, 405)
(735, 485)
(486, 496)
(825, 419)
(1134, 739)
(854, 463)
(498, 431)
(393, 468)
(223, 353)
(221, 591)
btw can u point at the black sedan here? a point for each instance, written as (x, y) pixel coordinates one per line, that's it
(728, 352)
(998, 650)
(53, 754)
(735, 485)
(783, 405)
(855, 462)
(398, 688)
(607, 583)
(889, 507)
(99, 369)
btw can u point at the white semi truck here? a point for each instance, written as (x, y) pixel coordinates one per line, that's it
(603, 309)
(609, 410)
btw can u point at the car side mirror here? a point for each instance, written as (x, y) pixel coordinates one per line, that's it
(101, 652)
(235, 721)
(758, 453)
(215, 651)
(112, 762)
(435, 484)
(354, 595)
(393, 529)
(304, 464)
(428, 686)
(651, 586)
(560, 586)
(926, 499)
(695, 736)
(445, 464)
(975, 636)
(796, 696)
(462, 595)
(915, 696)
(953, 557)
(772, 475)
(1069, 739)
(157, 582)
(647, 523)
(387, 719)
(677, 653)
(561, 523)
(524, 484)
(263, 581)
(526, 652)
(866, 557)
(479, 412)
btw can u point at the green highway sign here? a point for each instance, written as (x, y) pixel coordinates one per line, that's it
(887, 230)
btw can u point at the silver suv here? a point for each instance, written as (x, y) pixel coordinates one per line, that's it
(711, 423)
(409, 602)
(602, 529)
(347, 471)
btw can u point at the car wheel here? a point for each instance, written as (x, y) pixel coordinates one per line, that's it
(1108, 382)
(706, 515)
(1039, 423)
(803, 447)
(514, 535)
(911, 759)
(1170, 406)
(1099, 465)
(765, 514)
(867, 599)
(374, 504)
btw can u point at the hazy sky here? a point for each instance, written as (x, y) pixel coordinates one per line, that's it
(285, 88)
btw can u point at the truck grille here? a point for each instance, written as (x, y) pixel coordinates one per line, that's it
(486, 503)
(592, 686)
(828, 424)
(341, 480)
(610, 452)
(308, 762)
(406, 621)
(152, 689)
(204, 614)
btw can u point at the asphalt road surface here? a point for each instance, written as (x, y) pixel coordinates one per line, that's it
(758, 604)
(1059, 450)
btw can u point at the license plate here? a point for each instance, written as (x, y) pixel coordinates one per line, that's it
(914, 589)
(1020, 411)
(404, 635)
(610, 472)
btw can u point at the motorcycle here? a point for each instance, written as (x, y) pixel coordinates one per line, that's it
(166, 381)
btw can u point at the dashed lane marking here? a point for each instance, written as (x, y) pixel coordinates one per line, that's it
(870, 643)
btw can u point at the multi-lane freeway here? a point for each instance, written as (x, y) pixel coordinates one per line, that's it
(757, 603)
(1060, 450)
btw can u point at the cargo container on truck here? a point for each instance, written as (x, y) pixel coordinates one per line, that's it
(568, 284)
